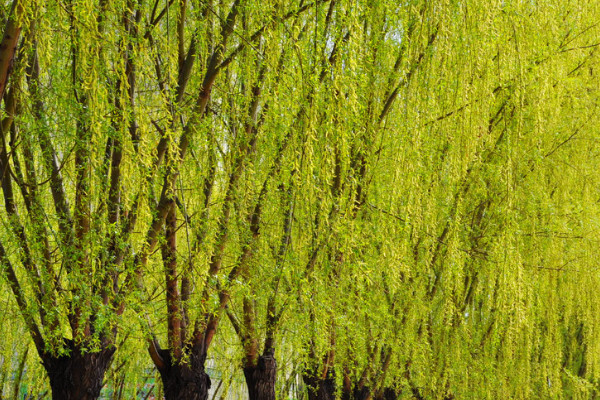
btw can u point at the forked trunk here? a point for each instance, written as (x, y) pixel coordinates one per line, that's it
(260, 378)
(184, 381)
(77, 375)
(319, 388)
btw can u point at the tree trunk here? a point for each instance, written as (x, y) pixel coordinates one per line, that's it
(365, 393)
(319, 388)
(362, 394)
(354, 393)
(261, 377)
(184, 381)
(77, 375)
(386, 394)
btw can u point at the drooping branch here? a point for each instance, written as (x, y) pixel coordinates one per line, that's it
(259, 32)
(173, 172)
(49, 156)
(20, 297)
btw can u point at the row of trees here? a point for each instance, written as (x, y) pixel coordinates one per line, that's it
(388, 199)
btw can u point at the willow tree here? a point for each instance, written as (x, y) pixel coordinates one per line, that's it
(384, 53)
(239, 163)
(62, 252)
(91, 154)
(97, 162)
(408, 187)
(480, 282)
(255, 142)
(459, 309)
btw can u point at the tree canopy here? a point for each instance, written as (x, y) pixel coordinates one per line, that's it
(328, 199)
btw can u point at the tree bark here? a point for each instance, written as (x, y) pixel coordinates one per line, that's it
(365, 393)
(386, 394)
(77, 375)
(319, 388)
(261, 378)
(184, 380)
(361, 394)
(8, 44)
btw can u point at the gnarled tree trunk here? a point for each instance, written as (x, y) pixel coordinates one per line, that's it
(361, 393)
(386, 394)
(319, 388)
(184, 380)
(365, 393)
(77, 375)
(260, 378)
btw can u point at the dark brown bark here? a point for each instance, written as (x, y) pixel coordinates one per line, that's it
(261, 378)
(184, 381)
(365, 393)
(319, 388)
(355, 393)
(169, 252)
(386, 394)
(77, 375)
(8, 45)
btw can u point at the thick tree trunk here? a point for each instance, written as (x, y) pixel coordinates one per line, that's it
(362, 394)
(260, 378)
(184, 381)
(387, 394)
(318, 388)
(354, 393)
(77, 375)
(365, 394)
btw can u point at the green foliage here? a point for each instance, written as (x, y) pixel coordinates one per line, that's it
(401, 193)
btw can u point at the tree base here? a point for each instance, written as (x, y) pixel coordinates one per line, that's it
(320, 389)
(187, 381)
(77, 375)
(261, 378)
